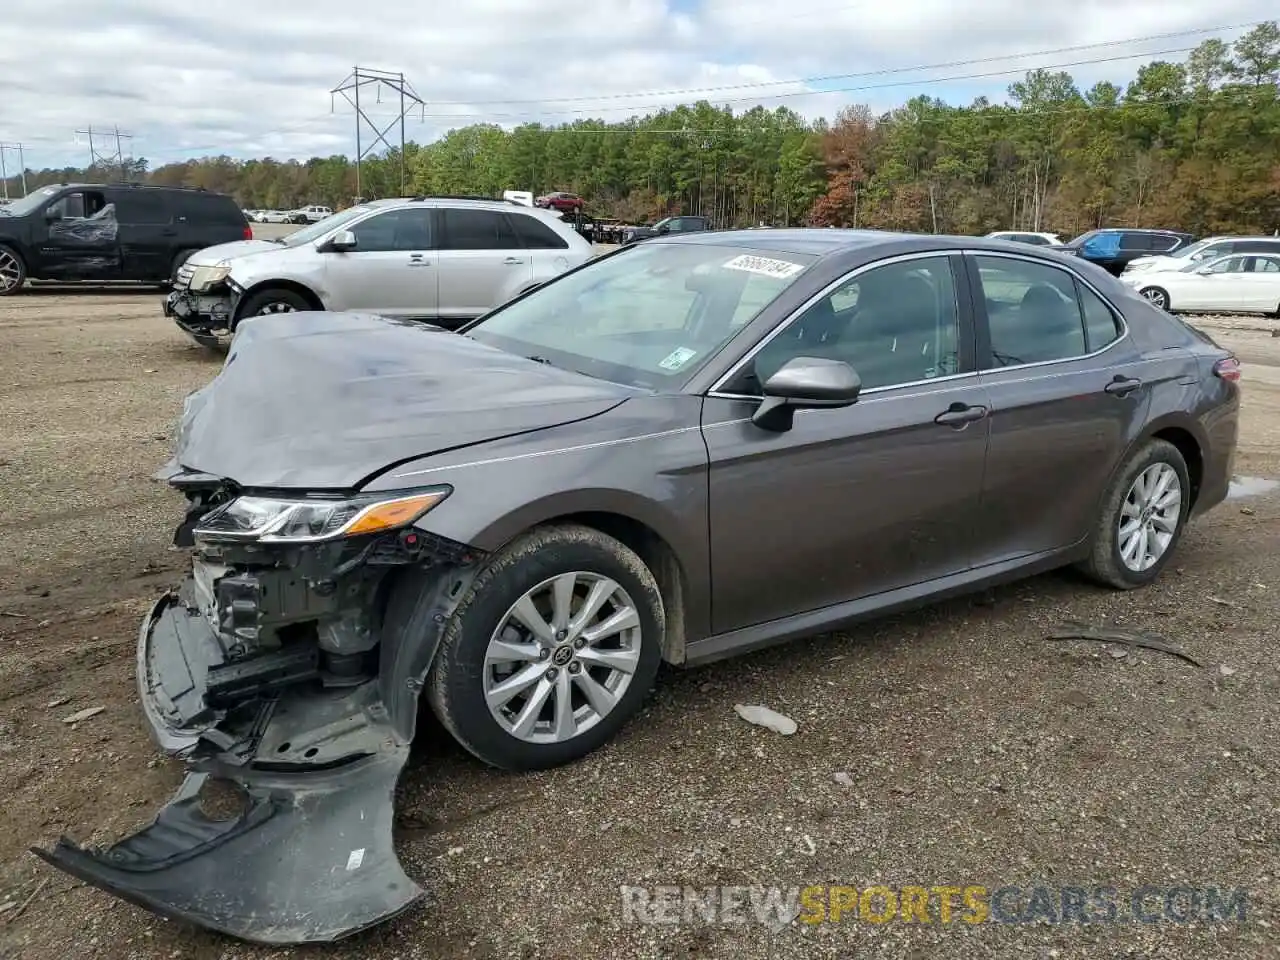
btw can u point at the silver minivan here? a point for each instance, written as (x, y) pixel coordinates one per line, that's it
(437, 259)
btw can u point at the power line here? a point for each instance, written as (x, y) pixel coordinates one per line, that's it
(475, 117)
(869, 73)
(814, 93)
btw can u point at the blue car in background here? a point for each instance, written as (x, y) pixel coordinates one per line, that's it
(1113, 249)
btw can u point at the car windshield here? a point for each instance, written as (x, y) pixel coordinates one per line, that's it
(20, 208)
(1190, 251)
(322, 227)
(649, 316)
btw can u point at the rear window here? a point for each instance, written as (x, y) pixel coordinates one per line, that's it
(535, 234)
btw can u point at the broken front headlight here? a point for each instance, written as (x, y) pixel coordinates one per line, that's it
(311, 519)
(206, 278)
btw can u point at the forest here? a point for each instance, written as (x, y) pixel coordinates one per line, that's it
(1192, 146)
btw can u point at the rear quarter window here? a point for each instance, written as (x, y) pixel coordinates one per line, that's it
(535, 234)
(206, 208)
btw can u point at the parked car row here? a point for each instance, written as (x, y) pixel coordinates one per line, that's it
(443, 260)
(309, 214)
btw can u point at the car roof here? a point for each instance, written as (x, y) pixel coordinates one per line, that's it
(478, 203)
(826, 242)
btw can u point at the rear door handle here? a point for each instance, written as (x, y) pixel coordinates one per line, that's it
(418, 260)
(1122, 386)
(513, 261)
(960, 415)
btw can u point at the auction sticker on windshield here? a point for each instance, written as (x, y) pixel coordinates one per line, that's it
(765, 266)
(678, 358)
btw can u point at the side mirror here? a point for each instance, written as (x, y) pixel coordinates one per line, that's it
(340, 242)
(805, 383)
(53, 216)
(1204, 271)
(665, 228)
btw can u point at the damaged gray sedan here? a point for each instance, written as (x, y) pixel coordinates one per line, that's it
(685, 450)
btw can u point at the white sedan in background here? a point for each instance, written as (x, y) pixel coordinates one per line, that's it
(1239, 283)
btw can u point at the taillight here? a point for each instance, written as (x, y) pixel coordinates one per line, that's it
(248, 232)
(1228, 369)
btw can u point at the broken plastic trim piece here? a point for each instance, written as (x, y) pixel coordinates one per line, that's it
(340, 875)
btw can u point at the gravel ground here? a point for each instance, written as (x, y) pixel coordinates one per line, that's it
(949, 746)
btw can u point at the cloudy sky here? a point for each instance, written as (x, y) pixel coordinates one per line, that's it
(252, 77)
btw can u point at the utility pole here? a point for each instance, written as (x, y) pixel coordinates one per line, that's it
(395, 83)
(22, 166)
(105, 157)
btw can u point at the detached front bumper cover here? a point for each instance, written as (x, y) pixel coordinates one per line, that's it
(307, 855)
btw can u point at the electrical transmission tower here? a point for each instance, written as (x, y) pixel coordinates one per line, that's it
(396, 85)
(100, 152)
(4, 169)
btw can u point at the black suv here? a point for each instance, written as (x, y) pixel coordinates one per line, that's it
(1113, 249)
(669, 225)
(80, 231)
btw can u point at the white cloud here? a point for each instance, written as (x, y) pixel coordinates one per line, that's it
(249, 78)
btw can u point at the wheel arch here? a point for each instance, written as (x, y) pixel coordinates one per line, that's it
(1185, 434)
(279, 283)
(640, 525)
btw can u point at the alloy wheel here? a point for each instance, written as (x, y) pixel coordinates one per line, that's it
(562, 657)
(275, 306)
(1149, 517)
(10, 271)
(1157, 297)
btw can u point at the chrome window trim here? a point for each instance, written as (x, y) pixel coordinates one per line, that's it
(717, 390)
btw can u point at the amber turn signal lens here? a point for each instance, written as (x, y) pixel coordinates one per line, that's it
(393, 513)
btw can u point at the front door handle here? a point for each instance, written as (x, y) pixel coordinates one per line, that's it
(1122, 386)
(960, 415)
(417, 260)
(513, 261)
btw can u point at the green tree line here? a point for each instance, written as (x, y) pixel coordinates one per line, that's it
(1192, 145)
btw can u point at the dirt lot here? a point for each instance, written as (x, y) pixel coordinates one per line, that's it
(969, 749)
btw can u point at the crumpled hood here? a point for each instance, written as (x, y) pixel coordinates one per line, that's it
(326, 400)
(230, 251)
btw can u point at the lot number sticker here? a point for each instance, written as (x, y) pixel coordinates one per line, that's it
(678, 358)
(765, 266)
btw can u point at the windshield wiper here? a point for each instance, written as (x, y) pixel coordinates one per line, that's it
(541, 360)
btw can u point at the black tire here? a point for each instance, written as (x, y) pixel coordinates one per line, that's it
(179, 259)
(12, 260)
(1157, 296)
(264, 300)
(1105, 564)
(455, 685)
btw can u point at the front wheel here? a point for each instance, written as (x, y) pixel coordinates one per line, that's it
(273, 300)
(1142, 518)
(1157, 296)
(13, 272)
(551, 651)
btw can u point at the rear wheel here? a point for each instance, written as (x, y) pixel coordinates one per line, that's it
(13, 272)
(551, 651)
(1142, 518)
(1158, 296)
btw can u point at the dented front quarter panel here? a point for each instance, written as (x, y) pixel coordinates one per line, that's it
(308, 856)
